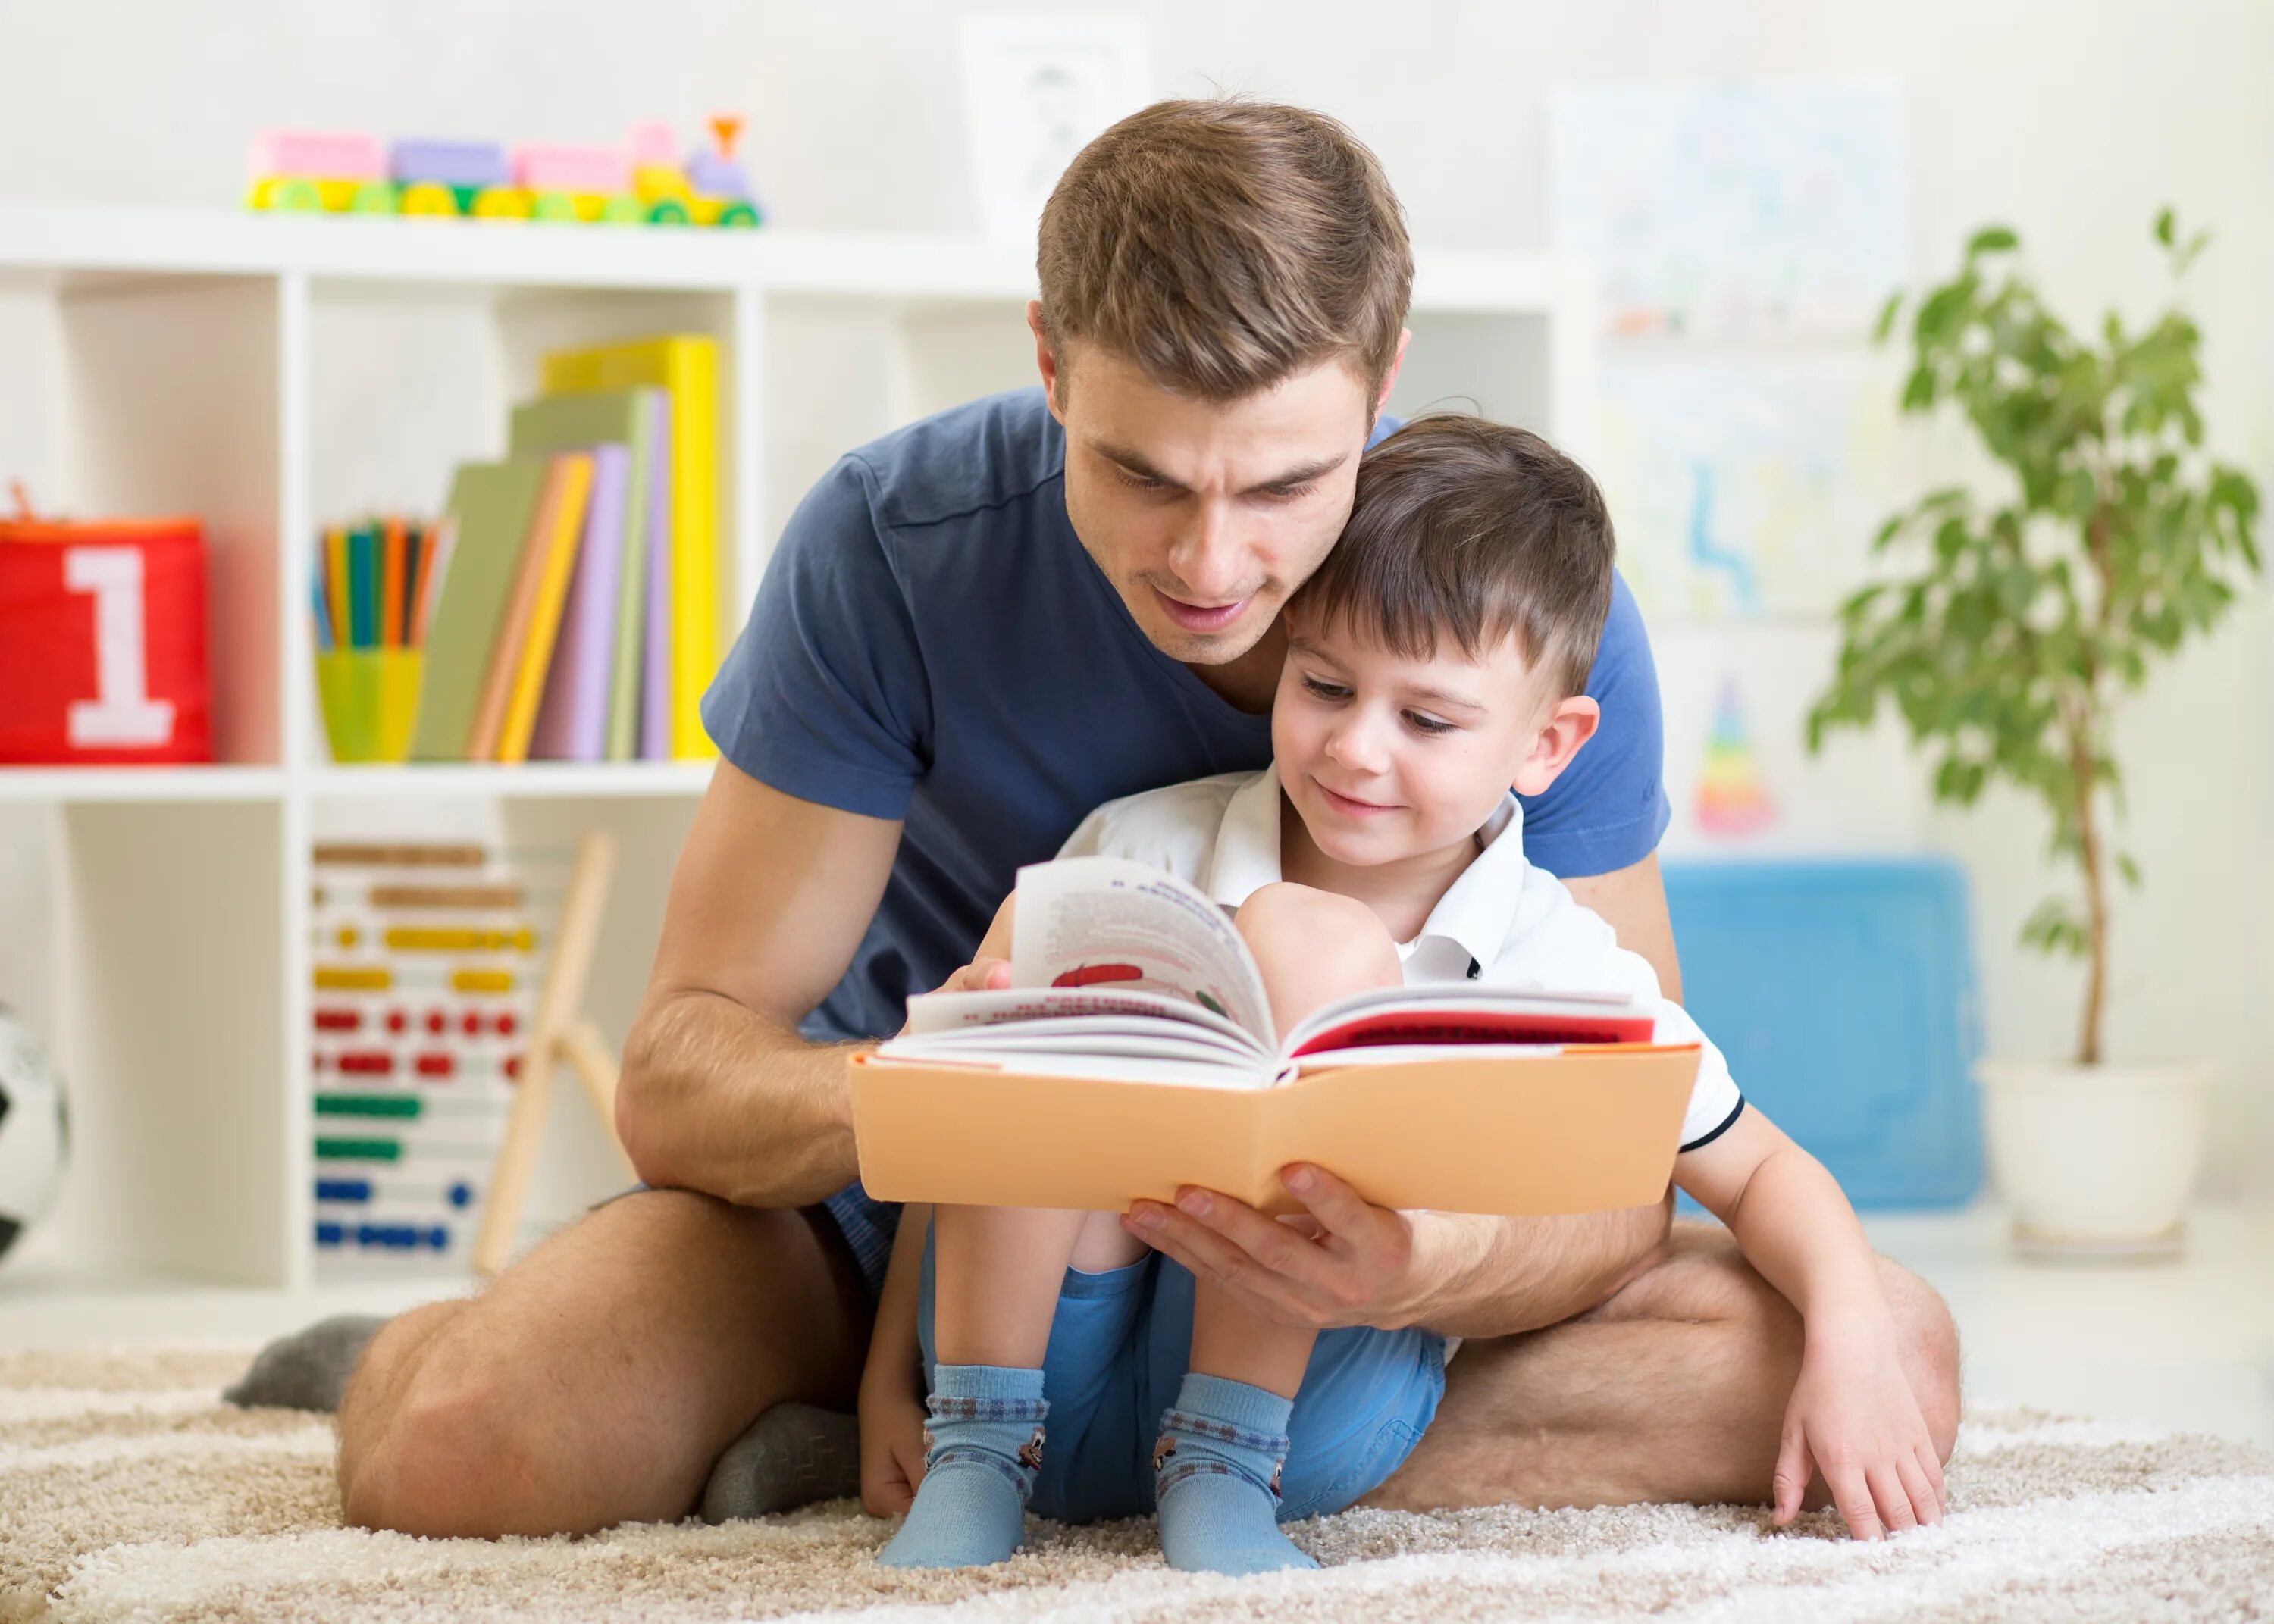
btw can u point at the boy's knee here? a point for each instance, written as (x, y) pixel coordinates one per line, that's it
(1299, 924)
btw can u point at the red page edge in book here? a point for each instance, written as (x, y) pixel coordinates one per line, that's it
(1481, 1026)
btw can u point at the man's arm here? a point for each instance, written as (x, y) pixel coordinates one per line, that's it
(768, 903)
(1633, 900)
(1479, 1276)
(1460, 1275)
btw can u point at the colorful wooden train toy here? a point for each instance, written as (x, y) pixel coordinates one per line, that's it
(304, 171)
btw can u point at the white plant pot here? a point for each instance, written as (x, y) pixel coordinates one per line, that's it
(2095, 1160)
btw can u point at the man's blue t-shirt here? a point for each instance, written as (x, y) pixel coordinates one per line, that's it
(931, 642)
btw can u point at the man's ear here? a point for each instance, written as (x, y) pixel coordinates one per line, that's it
(1388, 379)
(1045, 362)
(1571, 725)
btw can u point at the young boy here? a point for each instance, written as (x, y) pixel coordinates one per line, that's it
(1437, 660)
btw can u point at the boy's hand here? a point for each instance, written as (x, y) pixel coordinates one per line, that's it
(990, 969)
(1854, 1418)
(892, 1450)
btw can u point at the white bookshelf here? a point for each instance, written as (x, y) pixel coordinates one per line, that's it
(271, 374)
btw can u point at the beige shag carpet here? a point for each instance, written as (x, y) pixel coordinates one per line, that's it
(129, 1492)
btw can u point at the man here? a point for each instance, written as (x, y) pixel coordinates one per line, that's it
(972, 633)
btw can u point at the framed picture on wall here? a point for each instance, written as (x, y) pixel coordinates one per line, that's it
(1036, 89)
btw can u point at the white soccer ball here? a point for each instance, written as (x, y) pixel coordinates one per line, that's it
(35, 1130)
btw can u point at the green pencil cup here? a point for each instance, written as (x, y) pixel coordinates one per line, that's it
(370, 699)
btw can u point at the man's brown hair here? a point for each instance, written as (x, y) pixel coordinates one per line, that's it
(1468, 529)
(1224, 246)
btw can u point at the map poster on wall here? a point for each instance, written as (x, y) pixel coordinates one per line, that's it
(1747, 485)
(1771, 210)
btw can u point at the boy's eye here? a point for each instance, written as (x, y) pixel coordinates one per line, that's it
(1325, 690)
(1429, 724)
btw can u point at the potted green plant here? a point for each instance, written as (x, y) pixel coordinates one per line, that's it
(2006, 626)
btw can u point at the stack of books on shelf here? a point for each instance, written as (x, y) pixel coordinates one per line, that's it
(575, 615)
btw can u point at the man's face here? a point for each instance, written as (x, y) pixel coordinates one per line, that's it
(1206, 516)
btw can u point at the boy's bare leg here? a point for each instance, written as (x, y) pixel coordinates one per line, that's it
(1674, 1389)
(596, 1380)
(1222, 1442)
(1232, 1342)
(995, 1274)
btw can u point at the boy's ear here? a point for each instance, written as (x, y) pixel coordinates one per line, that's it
(1570, 726)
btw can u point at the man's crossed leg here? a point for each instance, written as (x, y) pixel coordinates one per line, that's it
(597, 1379)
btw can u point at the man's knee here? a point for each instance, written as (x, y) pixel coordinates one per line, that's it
(427, 1444)
(531, 1410)
(1927, 1339)
(450, 1460)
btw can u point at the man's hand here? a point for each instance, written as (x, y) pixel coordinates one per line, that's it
(1853, 1418)
(1347, 1263)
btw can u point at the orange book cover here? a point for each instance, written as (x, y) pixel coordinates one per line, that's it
(520, 608)
(1587, 1129)
(1136, 1051)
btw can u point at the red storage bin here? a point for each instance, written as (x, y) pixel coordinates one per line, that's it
(103, 643)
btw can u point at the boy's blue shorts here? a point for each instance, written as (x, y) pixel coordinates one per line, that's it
(1117, 1352)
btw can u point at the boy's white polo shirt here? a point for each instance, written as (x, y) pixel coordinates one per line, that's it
(1515, 923)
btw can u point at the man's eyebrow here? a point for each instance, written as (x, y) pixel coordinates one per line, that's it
(1302, 473)
(1134, 462)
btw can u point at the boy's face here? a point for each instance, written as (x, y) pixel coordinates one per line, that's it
(1386, 759)
(1205, 515)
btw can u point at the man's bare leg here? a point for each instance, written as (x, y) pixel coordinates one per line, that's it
(1674, 1389)
(596, 1380)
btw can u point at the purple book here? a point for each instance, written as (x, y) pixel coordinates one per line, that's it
(572, 721)
(655, 674)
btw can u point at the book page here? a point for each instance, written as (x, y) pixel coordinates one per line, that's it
(1466, 1012)
(1070, 1011)
(1105, 923)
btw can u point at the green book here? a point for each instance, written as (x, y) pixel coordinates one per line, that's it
(492, 504)
(609, 417)
(363, 584)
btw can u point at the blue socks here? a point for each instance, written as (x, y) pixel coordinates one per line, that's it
(1216, 1474)
(981, 1451)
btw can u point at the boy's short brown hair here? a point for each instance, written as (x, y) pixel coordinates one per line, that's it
(1471, 529)
(1224, 246)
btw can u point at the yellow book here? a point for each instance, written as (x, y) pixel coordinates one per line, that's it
(686, 367)
(335, 584)
(564, 519)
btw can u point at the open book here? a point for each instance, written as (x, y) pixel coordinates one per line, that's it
(1135, 1052)
(1124, 970)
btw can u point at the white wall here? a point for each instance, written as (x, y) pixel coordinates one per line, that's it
(2073, 121)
